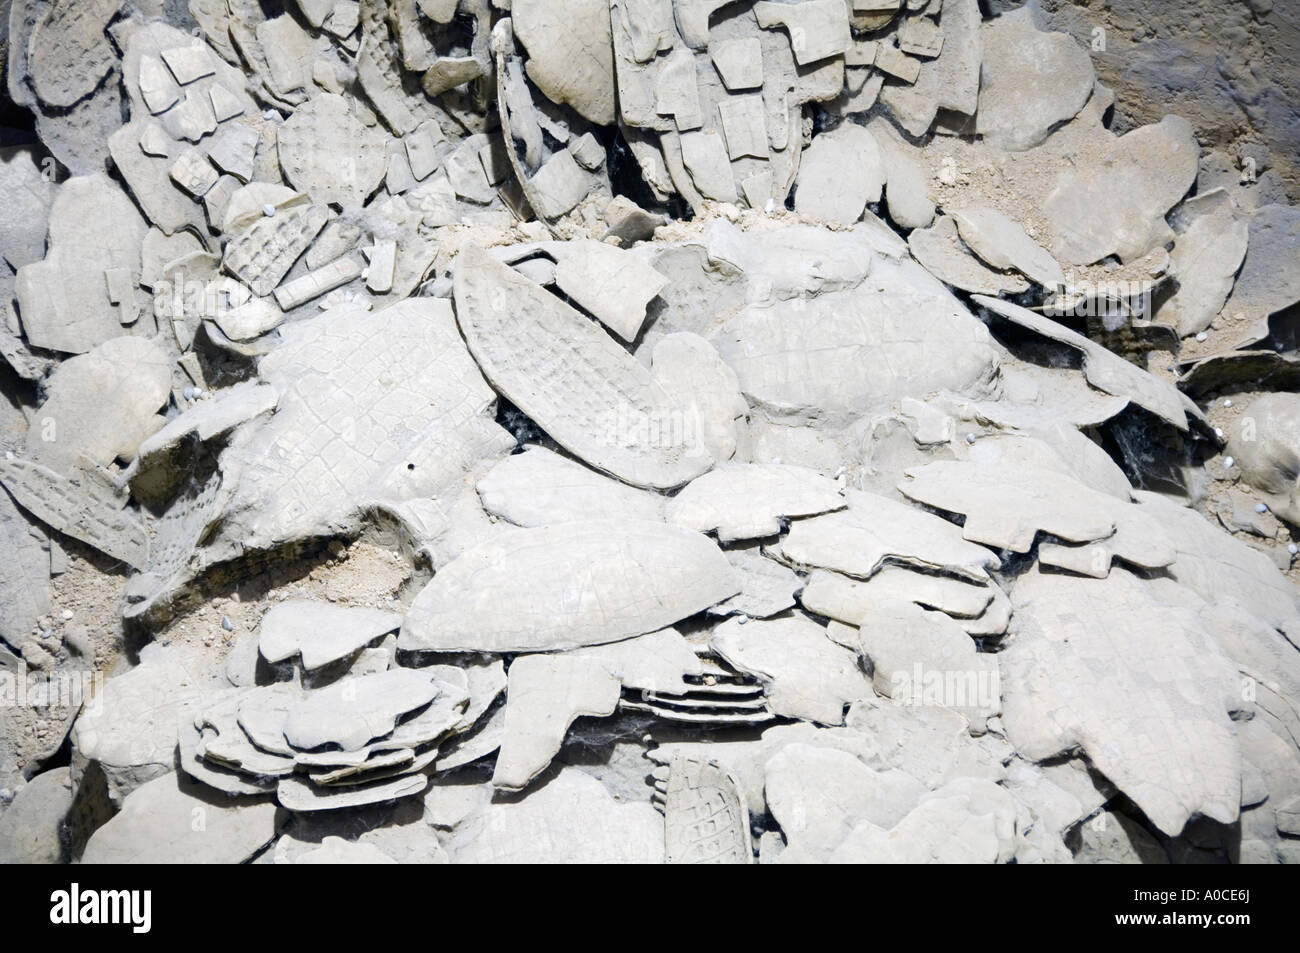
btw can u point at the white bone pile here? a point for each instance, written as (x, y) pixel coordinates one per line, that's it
(634, 431)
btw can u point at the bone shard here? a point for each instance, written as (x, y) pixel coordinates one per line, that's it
(544, 695)
(747, 501)
(321, 632)
(624, 423)
(508, 595)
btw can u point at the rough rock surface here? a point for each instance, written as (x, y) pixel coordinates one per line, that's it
(30, 827)
(1030, 81)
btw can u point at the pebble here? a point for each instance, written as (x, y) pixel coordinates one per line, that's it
(77, 639)
(36, 655)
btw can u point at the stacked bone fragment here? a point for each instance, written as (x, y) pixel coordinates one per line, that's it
(634, 431)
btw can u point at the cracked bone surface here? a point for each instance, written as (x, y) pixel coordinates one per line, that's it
(647, 431)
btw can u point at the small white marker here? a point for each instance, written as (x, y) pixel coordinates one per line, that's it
(1228, 462)
(970, 438)
(1261, 508)
(268, 210)
(1201, 336)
